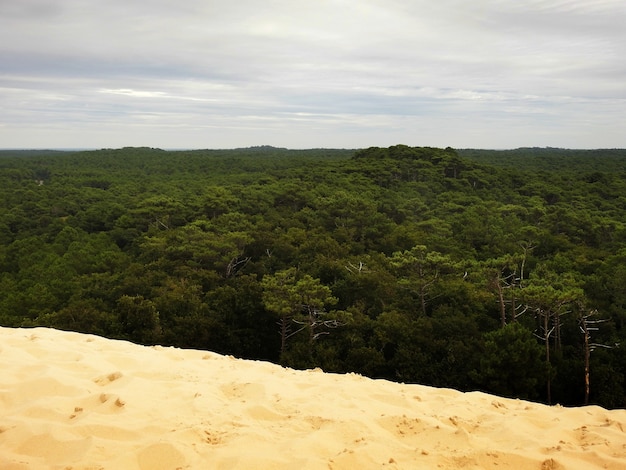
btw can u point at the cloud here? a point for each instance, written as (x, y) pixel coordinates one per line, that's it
(309, 74)
(29, 9)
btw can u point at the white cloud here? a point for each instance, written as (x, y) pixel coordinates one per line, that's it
(490, 73)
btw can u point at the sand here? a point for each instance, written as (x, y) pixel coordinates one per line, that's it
(74, 401)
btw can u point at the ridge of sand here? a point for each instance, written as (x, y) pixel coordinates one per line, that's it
(75, 401)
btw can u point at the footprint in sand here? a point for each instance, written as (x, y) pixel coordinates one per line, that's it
(104, 380)
(243, 391)
(118, 402)
(103, 403)
(551, 464)
(77, 412)
(403, 426)
(317, 422)
(213, 437)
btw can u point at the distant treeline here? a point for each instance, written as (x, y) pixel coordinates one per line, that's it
(502, 271)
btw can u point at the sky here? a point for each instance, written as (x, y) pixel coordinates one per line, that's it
(311, 74)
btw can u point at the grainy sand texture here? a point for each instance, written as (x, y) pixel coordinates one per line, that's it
(74, 401)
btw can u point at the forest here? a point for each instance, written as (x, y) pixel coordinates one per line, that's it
(499, 271)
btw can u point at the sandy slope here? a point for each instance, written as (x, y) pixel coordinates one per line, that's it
(72, 401)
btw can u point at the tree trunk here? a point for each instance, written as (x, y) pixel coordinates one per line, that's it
(284, 333)
(500, 289)
(587, 354)
(423, 299)
(546, 326)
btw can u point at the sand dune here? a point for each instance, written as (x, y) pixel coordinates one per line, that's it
(73, 401)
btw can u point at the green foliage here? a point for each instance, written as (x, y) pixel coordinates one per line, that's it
(511, 363)
(455, 268)
(299, 301)
(139, 319)
(419, 270)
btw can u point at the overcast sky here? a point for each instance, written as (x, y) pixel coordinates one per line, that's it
(312, 73)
